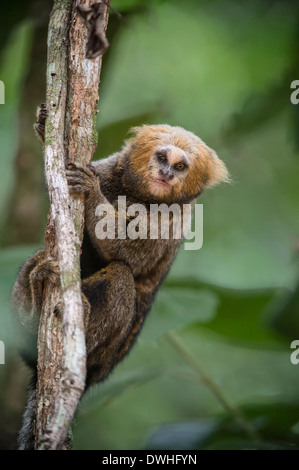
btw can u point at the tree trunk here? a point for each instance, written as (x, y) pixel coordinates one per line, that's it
(72, 97)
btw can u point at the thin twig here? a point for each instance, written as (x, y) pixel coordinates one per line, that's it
(236, 414)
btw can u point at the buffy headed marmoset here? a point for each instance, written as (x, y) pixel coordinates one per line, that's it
(120, 276)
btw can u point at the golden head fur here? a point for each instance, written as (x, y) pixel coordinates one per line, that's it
(171, 164)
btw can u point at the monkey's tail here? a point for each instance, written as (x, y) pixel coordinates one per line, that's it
(26, 437)
(26, 433)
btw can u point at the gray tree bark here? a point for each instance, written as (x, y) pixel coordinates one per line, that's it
(72, 97)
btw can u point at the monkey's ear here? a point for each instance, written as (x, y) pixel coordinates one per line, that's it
(218, 172)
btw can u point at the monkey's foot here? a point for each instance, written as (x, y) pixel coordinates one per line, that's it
(82, 179)
(47, 270)
(39, 125)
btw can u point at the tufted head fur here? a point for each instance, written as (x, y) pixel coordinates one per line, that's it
(170, 164)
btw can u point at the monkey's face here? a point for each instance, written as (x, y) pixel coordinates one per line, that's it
(169, 164)
(167, 170)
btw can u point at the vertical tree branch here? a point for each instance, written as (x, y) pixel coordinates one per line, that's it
(72, 96)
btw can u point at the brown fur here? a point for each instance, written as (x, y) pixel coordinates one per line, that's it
(120, 278)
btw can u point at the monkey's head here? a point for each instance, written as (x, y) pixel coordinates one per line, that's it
(170, 164)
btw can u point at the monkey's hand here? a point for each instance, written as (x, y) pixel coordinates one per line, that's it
(39, 125)
(82, 179)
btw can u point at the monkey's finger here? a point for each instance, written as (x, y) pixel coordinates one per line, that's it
(92, 169)
(58, 310)
(73, 174)
(71, 165)
(51, 268)
(52, 265)
(72, 184)
(40, 131)
(75, 179)
(42, 114)
(77, 189)
(79, 167)
(87, 171)
(47, 269)
(77, 174)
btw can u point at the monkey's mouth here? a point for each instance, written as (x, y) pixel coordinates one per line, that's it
(162, 182)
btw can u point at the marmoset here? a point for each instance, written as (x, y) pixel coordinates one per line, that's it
(120, 275)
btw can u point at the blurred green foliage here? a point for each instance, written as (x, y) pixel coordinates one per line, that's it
(223, 70)
(12, 73)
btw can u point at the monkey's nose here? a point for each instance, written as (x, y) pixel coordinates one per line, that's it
(166, 173)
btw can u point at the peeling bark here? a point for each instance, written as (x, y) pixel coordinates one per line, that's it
(72, 97)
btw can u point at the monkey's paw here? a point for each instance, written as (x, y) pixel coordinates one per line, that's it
(82, 179)
(39, 125)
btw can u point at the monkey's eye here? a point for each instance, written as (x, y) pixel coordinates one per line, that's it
(180, 166)
(161, 157)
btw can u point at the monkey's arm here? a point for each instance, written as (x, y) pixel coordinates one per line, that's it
(85, 180)
(148, 285)
(141, 255)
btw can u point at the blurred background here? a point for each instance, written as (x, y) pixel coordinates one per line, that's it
(212, 367)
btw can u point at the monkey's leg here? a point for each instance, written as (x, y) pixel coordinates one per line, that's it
(28, 289)
(39, 125)
(113, 316)
(27, 298)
